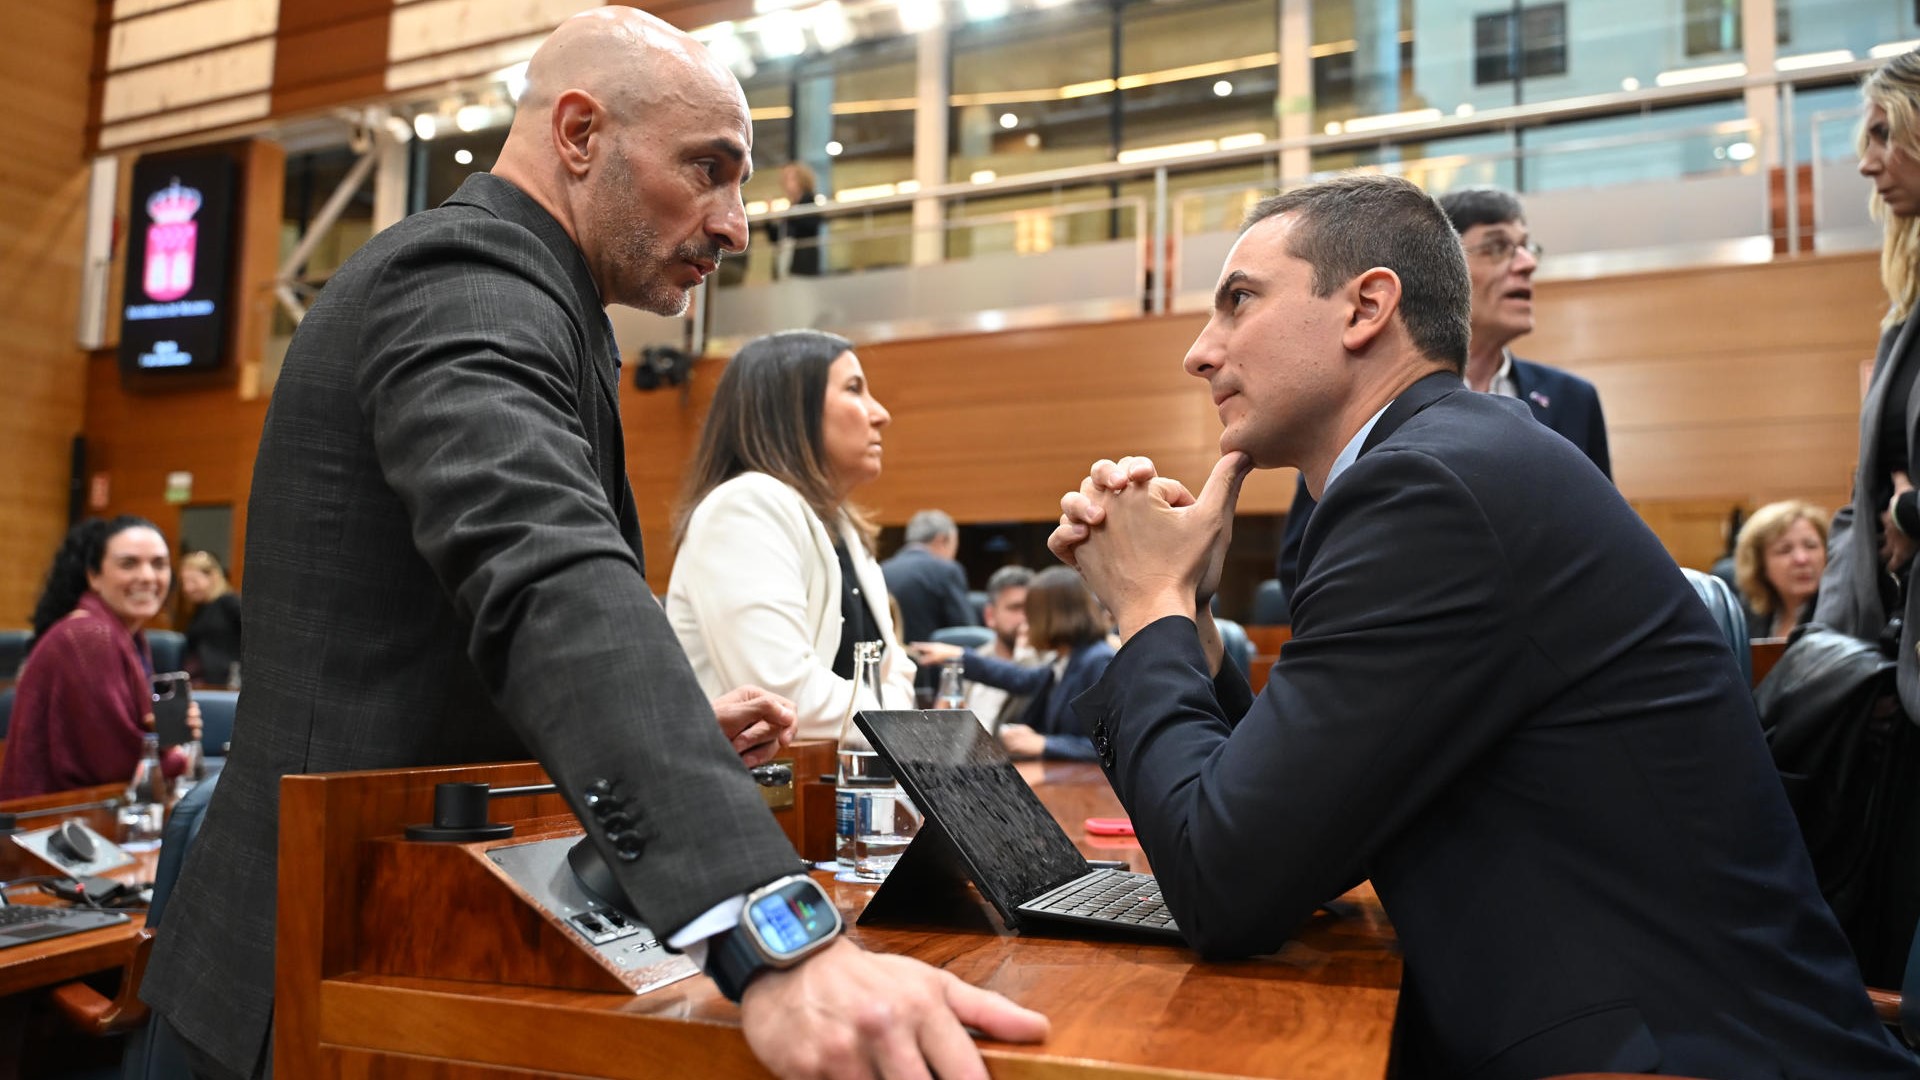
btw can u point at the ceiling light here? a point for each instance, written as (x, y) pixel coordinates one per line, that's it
(918, 15)
(472, 117)
(399, 129)
(426, 125)
(1242, 141)
(1033, 139)
(1332, 128)
(1740, 151)
(1222, 88)
(1392, 120)
(982, 10)
(1813, 60)
(831, 27)
(1893, 48)
(1629, 84)
(1465, 108)
(834, 149)
(781, 35)
(515, 78)
(1708, 73)
(984, 176)
(1009, 121)
(463, 156)
(1170, 150)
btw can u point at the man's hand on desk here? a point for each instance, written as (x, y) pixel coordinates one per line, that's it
(758, 723)
(848, 1013)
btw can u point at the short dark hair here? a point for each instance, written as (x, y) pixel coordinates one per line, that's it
(1467, 207)
(1007, 577)
(1351, 224)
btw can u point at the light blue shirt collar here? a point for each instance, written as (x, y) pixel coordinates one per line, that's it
(1351, 453)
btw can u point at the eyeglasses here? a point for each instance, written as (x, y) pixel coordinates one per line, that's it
(1501, 248)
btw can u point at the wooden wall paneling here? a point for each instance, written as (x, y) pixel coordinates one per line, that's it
(44, 63)
(328, 52)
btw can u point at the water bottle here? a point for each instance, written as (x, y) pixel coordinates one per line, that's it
(145, 810)
(860, 767)
(953, 685)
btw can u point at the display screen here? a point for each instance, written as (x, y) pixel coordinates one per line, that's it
(173, 314)
(795, 916)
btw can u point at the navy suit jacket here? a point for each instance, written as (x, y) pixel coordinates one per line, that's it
(1050, 712)
(1564, 402)
(1504, 705)
(932, 592)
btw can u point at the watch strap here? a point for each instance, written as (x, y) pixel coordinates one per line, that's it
(732, 962)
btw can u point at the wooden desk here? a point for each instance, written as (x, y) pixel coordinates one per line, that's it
(1323, 1007)
(57, 960)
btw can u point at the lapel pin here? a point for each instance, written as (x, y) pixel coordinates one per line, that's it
(1538, 398)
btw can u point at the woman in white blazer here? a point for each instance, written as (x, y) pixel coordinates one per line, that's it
(775, 578)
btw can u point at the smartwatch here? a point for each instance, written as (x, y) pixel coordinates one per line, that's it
(782, 924)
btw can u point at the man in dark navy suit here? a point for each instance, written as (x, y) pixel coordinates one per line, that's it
(1501, 703)
(923, 576)
(1501, 259)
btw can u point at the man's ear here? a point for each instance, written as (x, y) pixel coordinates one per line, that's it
(578, 119)
(1373, 297)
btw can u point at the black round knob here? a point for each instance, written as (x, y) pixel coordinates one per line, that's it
(459, 815)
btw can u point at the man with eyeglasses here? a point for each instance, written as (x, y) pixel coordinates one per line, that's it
(1501, 259)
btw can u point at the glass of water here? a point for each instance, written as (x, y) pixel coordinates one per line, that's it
(140, 825)
(885, 823)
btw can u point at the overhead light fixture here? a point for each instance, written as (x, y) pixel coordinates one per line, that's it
(1465, 108)
(782, 34)
(1332, 128)
(1391, 120)
(982, 10)
(1708, 73)
(918, 15)
(463, 156)
(756, 207)
(1242, 141)
(399, 129)
(426, 125)
(1629, 84)
(834, 149)
(984, 176)
(1085, 89)
(1222, 88)
(1893, 48)
(1169, 150)
(1813, 60)
(1009, 121)
(831, 27)
(869, 191)
(1740, 151)
(472, 117)
(515, 79)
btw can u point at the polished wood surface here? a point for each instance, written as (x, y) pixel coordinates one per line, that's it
(44, 58)
(1322, 1007)
(1766, 653)
(48, 963)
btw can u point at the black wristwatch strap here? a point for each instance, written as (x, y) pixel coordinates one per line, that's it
(732, 962)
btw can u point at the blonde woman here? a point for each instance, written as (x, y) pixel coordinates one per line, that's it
(1870, 552)
(1778, 559)
(213, 630)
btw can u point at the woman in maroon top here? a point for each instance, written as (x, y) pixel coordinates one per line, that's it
(85, 695)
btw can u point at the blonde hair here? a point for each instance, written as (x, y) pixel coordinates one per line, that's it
(1750, 549)
(210, 566)
(1895, 87)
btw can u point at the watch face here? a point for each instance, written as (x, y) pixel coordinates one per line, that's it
(792, 918)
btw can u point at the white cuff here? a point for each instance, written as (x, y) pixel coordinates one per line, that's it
(718, 919)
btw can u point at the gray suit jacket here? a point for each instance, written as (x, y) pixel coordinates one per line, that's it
(444, 566)
(1850, 595)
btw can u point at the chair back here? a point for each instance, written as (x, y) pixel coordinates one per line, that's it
(6, 710)
(977, 603)
(216, 719)
(13, 651)
(967, 637)
(1239, 648)
(1728, 613)
(1270, 604)
(169, 649)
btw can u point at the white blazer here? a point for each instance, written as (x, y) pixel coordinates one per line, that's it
(755, 600)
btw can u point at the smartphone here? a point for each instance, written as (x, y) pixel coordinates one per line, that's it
(172, 693)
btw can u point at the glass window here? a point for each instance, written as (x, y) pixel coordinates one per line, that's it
(1531, 41)
(1196, 71)
(1031, 92)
